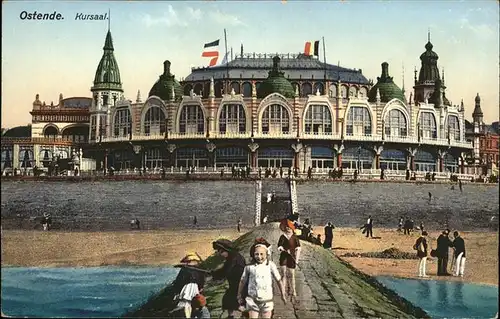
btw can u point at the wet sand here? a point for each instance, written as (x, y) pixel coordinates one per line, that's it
(167, 247)
(481, 247)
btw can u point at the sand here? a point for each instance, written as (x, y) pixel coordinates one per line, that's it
(167, 247)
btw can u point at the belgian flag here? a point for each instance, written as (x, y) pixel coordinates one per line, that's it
(312, 48)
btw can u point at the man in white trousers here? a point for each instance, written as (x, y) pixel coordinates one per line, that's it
(459, 246)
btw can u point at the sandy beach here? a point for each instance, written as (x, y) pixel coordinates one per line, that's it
(167, 247)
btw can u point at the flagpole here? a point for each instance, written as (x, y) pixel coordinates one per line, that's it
(227, 64)
(324, 58)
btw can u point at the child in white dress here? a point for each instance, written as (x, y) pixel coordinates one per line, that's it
(259, 277)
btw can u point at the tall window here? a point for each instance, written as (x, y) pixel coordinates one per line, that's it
(192, 120)
(153, 158)
(122, 123)
(154, 121)
(358, 121)
(453, 128)
(427, 124)
(275, 119)
(232, 119)
(231, 156)
(93, 126)
(395, 123)
(318, 120)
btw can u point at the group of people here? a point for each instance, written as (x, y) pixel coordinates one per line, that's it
(250, 286)
(442, 253)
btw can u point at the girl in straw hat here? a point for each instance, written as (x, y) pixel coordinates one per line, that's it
(189, 283)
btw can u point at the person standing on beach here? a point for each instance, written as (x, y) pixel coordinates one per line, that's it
(369, 227)
(421, 248)
(289, 246)
(459, 245)
(240, 223)
(328, 235)
(443, 245)
(231, 270)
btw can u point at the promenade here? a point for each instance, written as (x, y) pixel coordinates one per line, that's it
(326, 287)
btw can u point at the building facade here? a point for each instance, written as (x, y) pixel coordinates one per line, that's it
(278, 110)
(261, 110)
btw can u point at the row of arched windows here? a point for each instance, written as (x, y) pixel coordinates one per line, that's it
(276, 119)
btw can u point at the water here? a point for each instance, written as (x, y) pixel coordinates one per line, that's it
(447, 299)
(80, 292)
(349, 204)
(111, 205)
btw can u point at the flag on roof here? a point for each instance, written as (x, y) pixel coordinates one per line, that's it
(211, 50)
(312, 48)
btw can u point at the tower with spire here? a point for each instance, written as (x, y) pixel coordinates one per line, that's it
(477, 120)
(429, 84)
(106, 90)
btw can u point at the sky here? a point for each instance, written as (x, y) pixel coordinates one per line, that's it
(53, 57)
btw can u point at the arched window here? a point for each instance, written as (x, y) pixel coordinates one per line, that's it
(26, 158)
(318, 120)
(296, 87)
(332, 91)
(122, 123)
(236, 87)
(187, 89)
(318, 86)
(50, 132)
(154, 121)
(306, 89)
(453, 128)
(343, 91)
(218, 89)
(275, 120)
(363, 92)
(427, 125)
(77, 133)
(198, 89)
(192, 120)
(353, 91)
(247, 89)
(7, 158)
(358, 121)
(232, 119)
(395, 123)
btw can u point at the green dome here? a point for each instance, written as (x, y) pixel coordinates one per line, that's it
(276, 83)
(386, 86)
(163, 87)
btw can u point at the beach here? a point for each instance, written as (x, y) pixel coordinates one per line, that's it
(166, 247)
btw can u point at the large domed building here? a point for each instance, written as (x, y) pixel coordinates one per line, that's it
(276, 110)
(282, 110)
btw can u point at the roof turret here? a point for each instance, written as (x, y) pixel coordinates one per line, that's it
(478, 113)
(166, 85)
(386, 87)
(429, 70)
(107, 75)
(276, 82)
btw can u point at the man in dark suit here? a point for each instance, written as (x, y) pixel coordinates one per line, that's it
(443, 245)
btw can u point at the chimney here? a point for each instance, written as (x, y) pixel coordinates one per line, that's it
(166, 67)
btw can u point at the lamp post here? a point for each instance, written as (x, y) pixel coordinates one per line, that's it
(359, 158)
